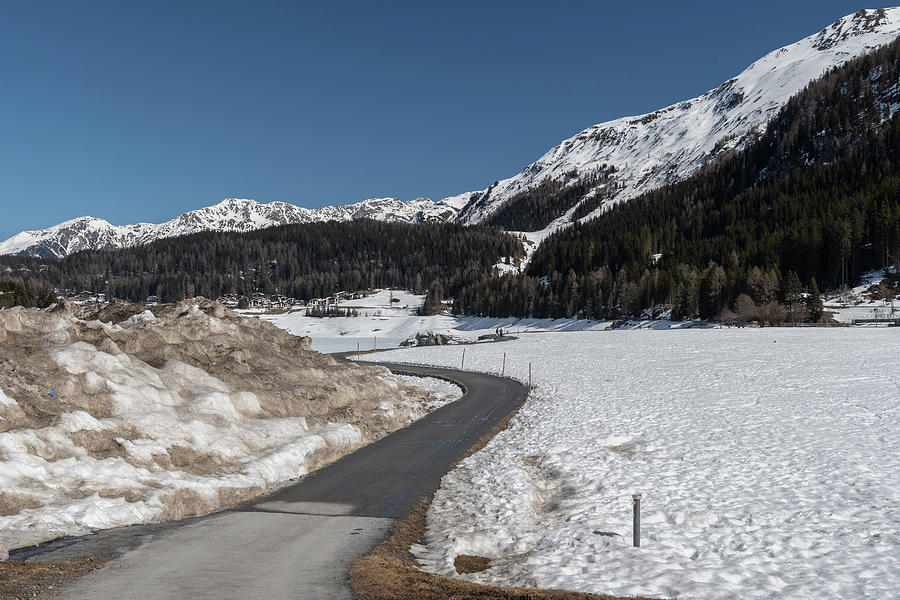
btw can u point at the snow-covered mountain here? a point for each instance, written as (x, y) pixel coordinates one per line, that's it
(651, 150)
(232, 214)
(636, 154)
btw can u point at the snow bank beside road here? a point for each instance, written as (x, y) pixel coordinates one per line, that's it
(442, 392)
(769, 460)
(161, 416)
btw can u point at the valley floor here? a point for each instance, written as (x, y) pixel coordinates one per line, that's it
(768, 459)
(384, 324)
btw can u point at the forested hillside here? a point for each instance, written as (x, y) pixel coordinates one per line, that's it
(816, 197)
(534, 209)
(302, 261)
(16, 293)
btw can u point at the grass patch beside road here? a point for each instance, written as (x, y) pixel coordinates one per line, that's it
(389, 573)
(20, 579)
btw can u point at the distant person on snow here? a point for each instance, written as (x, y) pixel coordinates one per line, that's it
(501, 333)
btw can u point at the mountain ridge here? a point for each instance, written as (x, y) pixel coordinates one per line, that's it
(667, 145)
(231, 214)
(626, 157)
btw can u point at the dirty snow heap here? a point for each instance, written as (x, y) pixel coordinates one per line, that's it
(117, 415)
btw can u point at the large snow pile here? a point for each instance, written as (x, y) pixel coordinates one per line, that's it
(769, 461)
(121, 416)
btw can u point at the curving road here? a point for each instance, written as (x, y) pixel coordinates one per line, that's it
(299, 540)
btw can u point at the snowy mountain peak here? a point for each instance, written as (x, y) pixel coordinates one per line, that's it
(231, 214)
(59, 240)
(651, 150)
(860, 23)
(630, 155)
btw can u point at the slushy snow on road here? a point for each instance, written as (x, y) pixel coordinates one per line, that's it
(769, 462)
(441, 392)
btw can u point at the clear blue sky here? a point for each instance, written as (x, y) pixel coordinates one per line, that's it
(139, 111)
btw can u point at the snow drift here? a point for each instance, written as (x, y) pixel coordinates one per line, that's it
(115, 415)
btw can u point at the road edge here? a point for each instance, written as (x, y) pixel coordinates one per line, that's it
(390, 572)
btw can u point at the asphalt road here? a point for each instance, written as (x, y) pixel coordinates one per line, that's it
(299, 540)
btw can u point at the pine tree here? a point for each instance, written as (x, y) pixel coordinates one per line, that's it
(814, 301)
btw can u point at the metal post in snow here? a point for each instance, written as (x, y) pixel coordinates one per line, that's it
(529, 377)
(463, 363)
(375, 343)
(503, 371)
(357, 350)
(637, 520)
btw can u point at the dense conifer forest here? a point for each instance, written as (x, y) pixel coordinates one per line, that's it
(16, 293)
(536, 208)
(302, 261)
(814, 201)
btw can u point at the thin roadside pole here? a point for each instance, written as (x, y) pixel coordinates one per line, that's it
(463, 363)
(357, 350)
(636, 534)
(529, 377)
(503, 370)
(375, 343)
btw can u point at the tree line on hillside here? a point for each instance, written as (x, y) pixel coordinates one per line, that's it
(302, 261)
(536, 208)
(815, 200)
(15, 292)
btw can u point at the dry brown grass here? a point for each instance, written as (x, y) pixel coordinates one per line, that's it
(34, 580)
(389, 573)
(466, 563)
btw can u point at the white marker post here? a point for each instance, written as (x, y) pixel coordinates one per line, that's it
(529, 377)
(503, 371)
(637, 520)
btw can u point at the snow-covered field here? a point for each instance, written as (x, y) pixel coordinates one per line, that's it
(857, 302)
(384, 324)
(769, 461)
(381, 323)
